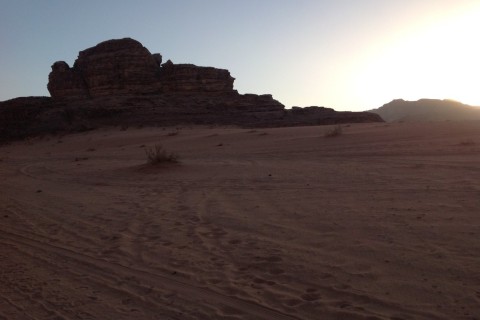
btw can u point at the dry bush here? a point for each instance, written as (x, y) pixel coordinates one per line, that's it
(334, 132)
(158, 155)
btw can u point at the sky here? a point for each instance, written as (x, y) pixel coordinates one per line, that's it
(344, 54)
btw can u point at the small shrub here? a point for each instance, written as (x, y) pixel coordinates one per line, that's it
(334, 132)
(157, 155)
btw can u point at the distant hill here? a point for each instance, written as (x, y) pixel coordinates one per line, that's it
(427, 110)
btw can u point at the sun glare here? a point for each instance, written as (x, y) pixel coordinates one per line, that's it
(437, 61)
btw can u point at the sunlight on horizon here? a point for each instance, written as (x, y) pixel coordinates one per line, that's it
(439, 60)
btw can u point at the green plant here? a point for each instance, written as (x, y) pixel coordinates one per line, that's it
(157, 155)
(334, 132)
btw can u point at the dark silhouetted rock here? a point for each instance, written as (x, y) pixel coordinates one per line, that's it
(124, 66)
(323, 116)
(119, 82)
(66, 83)
(158, 58)
(190, 78)
(117, 67)
(27, 116)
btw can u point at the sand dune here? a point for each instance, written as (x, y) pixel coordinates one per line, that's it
(381, 222)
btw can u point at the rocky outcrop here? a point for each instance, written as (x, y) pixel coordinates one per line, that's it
(190, 78)
(26, 116)
(323, 116)
(125, 66)
(119, 82)
(65, 82)
(118, 67)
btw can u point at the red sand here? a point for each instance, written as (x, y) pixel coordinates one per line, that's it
(382, 222)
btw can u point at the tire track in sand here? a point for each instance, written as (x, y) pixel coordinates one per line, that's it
(101, 266)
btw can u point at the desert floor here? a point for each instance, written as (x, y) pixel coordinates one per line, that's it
(381, 222)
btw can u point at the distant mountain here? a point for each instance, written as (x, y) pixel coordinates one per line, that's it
(427, 110)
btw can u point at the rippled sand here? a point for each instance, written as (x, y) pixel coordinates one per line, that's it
(381, 222)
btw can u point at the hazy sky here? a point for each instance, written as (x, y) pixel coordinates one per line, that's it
(344, 54)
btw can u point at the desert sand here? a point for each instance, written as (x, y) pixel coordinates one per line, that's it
(381, 222)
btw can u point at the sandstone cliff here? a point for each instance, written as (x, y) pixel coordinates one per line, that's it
(124, 66)
(190, 78)
(119, 82)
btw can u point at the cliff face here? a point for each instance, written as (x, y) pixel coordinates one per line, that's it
(66, 83)
(124, 66)
(190, 78)
(117, 67)
(119, 82)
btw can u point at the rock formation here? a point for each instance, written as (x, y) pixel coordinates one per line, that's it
(119, 82)
(190, 78)
(64, 82)
(124, 66)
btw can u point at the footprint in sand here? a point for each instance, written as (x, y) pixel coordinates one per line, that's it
(214, 281)
(310, 297)
(218, 232)
(477, 295)
(274, 259)
(343, 305)
(293, 302)
(276, 271)
(259, 281)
